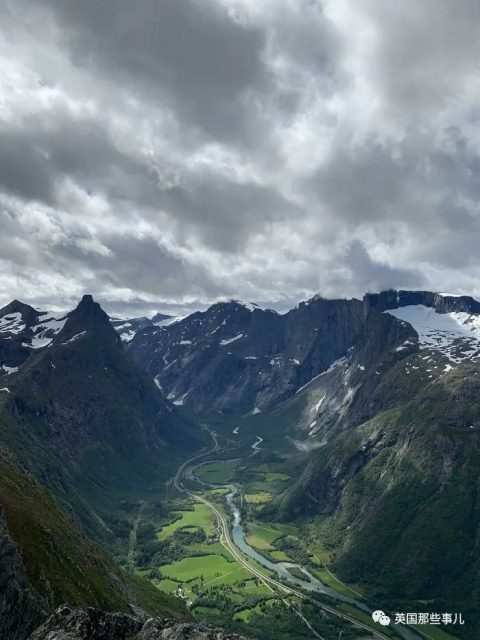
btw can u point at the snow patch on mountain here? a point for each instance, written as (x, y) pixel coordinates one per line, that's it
(166, 322)
(76, 337)
(230, 340)
(9, 370)
(12, 323)
(455, 334)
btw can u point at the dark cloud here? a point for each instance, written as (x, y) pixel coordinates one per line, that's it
(189, 55)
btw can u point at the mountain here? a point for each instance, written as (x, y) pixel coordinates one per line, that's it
(84, 388)
(372, 404)
(241, 358)
(84, 436)
(393, 434)
(127, 328)
(24, 329)
(382, 396)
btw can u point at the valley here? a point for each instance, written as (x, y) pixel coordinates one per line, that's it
(335, 473)
(248, 575)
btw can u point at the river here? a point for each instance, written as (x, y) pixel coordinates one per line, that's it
(281, 568)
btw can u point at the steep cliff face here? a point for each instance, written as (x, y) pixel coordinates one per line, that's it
(442, 303)
(241, 358)
(76, 624)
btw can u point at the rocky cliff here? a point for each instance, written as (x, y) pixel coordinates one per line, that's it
(69, 623)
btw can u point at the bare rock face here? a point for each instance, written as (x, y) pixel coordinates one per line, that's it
(68, 623)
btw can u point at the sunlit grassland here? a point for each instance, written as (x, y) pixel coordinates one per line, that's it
(168, 586)
(213, 568)
(201, 516)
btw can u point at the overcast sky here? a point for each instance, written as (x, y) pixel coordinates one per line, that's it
(164, 154)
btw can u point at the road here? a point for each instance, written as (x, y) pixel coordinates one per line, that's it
(228, 543)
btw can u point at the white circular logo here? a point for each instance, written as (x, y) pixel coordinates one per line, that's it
(381, 617)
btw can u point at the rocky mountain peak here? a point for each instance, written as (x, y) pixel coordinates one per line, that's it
(88, 316)
(27, 313)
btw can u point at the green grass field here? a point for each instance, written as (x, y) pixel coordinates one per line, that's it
(331, 581)
(168, 586)
(433, 632)
(262, 497)
(216, 472)
(262, 536)
(201, 516)
(254, 589)
(213, 568)
(219, 491)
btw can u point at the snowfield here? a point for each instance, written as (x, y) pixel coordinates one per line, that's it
(455, 334)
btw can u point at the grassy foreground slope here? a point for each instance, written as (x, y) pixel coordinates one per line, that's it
(61, 563)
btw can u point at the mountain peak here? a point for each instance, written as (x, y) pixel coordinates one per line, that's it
(16, 306)
(88, 316)
(89, 308)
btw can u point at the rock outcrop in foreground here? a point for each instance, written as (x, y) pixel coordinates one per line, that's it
(69, 623)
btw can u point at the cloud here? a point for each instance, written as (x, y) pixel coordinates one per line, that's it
(166, 155)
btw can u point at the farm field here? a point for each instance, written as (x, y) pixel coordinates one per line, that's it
(216, 472)
(213, 568)
(200, 517)
(168, 586)
(263, 536)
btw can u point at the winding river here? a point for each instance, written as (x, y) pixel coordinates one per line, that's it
(311, 583)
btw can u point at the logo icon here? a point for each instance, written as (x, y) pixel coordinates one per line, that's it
(381, 617)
